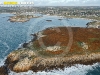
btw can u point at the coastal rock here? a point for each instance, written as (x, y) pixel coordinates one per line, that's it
(94, 24)
(40, 64)
(26, 64)
(23, 65)
(53, 48)
(20, 54)
(84, 50)
(3, 70)
(21, 18)
(85, 46)
(20, 59)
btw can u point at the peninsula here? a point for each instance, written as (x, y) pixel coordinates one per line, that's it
(43, 52)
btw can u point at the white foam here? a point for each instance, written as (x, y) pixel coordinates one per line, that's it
(20, 46)
(2, 61)
(74, 70)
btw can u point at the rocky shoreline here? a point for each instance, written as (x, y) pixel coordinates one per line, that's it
(94, 24)
(41, 64)
(21, 18)
(84, 50)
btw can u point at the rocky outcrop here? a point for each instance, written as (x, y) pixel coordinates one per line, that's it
(23, 65)
(94, 24)
(84, 50)
(4, 70)
(15, 19)
(85, 46)
(20, 60)
(40, 63)
(21, 18)
(53, 48)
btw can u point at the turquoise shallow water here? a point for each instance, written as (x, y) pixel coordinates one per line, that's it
(14, 34)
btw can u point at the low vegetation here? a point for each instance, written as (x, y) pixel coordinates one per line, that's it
(85, 49)
(89, 36)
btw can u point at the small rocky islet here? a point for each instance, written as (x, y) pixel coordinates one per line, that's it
(43, 52)
(21, 18)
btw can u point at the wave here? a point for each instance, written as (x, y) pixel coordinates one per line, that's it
(20, 46)
(2, 60)
(73, 70)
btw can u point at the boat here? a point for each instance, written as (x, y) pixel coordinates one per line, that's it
(48, 20)
(59, 19)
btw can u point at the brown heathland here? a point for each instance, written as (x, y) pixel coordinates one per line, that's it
(85, 49)
(90, 36)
